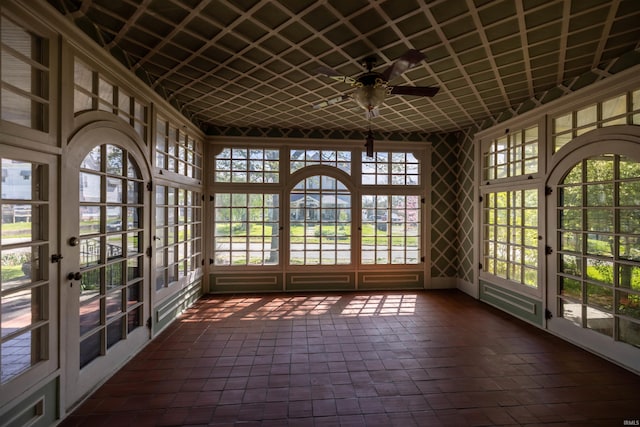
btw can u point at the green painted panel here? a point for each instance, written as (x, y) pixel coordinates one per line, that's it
(400, 280)
(232, 283)
(321, 282)
(39, 409)
(518, 305)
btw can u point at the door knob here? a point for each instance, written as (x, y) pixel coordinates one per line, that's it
(74, 276)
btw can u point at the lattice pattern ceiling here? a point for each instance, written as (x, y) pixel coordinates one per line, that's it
(252, 63)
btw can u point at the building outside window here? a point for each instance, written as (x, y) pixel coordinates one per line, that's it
(327, 208)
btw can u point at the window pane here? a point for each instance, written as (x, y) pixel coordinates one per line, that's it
(21, 352)
(599, 169)
(599, 321)
(20, 309)
(90, 187)
(90, 348)
(562, 124)
(629, 331)
(24, 85)
(586, 116)
(614, 107)
(570, 288)
(396, 168)
(391, 229)
(511, 247)
(82, 76)
(629, 193)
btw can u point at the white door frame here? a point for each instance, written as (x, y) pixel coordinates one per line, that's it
(76, 383)
(44, 368)
(622, 140)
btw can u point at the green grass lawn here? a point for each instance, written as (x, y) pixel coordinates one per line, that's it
(16, 230)
(312, 235)
(11, 272)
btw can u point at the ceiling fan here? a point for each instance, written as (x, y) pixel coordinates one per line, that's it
(371, 87)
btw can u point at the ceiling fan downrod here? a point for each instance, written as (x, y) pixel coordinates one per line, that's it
(369, 141)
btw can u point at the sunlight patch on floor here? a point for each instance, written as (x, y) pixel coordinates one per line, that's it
(381, 305)
(296, 307)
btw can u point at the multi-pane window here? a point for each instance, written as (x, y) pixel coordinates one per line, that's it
(303, 158)
(599, 246)
(618, 110)
(320, 222)
(510, 235)
(93, 91)
(247, 165)
(247, 229)
(512, 155)
(319, 217)
(391, 229)
(176, 151)
(178, 240)
(24, 285)
(24, 75)
(111, 255)
(510, 223)
(390, 168)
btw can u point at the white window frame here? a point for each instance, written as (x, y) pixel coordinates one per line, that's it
(160, 244)
(287, 180)
(534, 181)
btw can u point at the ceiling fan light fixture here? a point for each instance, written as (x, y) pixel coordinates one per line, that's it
(370, 97)
(371, 87)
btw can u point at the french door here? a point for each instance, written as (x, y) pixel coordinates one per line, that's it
(29, 273)
(594, 231)
(105, 298)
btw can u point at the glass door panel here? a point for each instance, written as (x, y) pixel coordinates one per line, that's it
(27, 328)
(107, 245)
(105, 291)
(598, 260)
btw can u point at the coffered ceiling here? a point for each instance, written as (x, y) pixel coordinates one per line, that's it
(253, 63)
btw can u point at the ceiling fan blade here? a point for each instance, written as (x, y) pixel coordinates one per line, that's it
(414, 90)
(333, 74)
(402, 64)
(331, 101)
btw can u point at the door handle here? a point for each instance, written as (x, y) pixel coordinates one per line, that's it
(74, 276)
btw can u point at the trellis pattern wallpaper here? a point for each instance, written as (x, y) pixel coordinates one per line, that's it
(453, 165)
(444, 206)
(465, 230)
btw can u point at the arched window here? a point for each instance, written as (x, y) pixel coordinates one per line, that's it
(320, 222)
(598, 236)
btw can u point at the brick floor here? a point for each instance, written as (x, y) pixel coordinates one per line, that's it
(432, 358)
